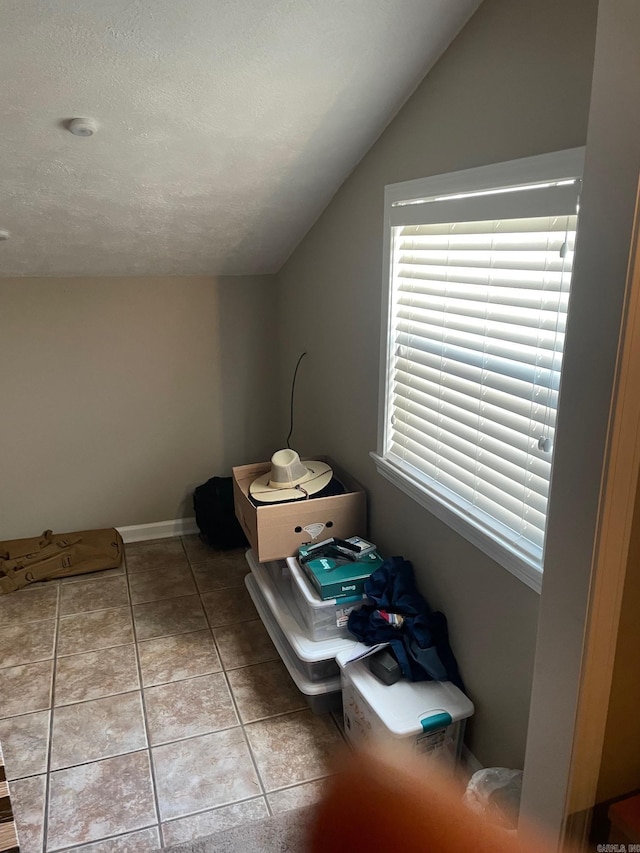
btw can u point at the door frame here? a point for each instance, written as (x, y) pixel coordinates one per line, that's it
(615, 522)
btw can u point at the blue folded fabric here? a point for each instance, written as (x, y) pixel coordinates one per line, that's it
(421, 642)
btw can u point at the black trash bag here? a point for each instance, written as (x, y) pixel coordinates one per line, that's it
(215, 516)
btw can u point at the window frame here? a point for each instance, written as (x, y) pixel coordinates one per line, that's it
(551, 167)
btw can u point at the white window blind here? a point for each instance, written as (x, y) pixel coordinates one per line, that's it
(477, 308)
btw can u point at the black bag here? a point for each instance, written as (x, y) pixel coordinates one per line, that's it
(215, 517)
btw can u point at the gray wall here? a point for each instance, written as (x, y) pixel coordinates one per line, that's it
(118, 396)
(515, 82)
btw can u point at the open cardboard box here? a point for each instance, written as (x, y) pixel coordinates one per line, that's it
(277, 531)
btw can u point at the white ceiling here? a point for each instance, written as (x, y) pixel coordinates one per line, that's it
(225, 126)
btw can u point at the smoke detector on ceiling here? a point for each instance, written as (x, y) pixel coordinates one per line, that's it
(82, 126)
(4, 235)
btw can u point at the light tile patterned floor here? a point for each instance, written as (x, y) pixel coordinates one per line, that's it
(146, 706)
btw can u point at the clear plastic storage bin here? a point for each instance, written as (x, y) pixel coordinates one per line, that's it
(427, 716)
(323, 620)
(278, 572)
(321, 696)
(316, 659)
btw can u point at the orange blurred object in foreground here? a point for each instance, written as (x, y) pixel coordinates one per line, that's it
(383, 801)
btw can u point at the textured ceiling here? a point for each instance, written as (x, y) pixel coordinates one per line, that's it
(225, 126)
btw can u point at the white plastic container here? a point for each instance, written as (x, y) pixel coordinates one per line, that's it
(427, 716)
(322, 696)
(323, 620)
(316, 659)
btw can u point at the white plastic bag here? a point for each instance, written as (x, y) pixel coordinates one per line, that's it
(495, 793)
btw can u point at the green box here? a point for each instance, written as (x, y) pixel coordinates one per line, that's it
(334, 578)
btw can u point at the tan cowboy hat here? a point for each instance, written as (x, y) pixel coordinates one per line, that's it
(290, 479)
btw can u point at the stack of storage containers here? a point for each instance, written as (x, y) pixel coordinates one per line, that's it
(426, 716)
(312, 638)
(307, 632)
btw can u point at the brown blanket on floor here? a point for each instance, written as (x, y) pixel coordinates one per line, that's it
(26, 561)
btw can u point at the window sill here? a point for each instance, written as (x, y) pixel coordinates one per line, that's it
(526, 572)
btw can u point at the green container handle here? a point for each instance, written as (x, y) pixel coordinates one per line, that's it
(436, 721)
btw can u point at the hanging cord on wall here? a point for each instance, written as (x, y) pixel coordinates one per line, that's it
(293, 388)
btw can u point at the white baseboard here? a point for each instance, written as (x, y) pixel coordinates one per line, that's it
(470, 761)
(158, 530)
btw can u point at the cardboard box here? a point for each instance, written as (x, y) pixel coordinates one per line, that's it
(276, 532)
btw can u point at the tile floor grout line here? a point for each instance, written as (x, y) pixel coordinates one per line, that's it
(206, 618)
(243, 724)
(180, 680)
(95, 610)
(98, 649)
(27, 776)
(102, 576)
(338, 726)
(263, 783)
(144, 706)
(82, 844)
(228, 624)
(213, 628)
(249, 748)
(153, 571)
(145, 722)
(27, 713)
(47, 783)
(31, 621)
(193, 737)
(191, 631)
(299, 784)
(168, 598)
(186, 677)
(246, 740)
(209, 626)
(28, 663)
(276, 716)
(102, 758)
(166, 636)
(236, 707)
(215, 809)
(99, 609)
(96, 698)
(247, 665)
(156, 568)
(92, 610)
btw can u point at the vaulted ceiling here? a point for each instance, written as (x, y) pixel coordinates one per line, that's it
(224, 127)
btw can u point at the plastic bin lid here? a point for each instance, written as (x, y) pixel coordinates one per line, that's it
(407, 707)
(278, 600)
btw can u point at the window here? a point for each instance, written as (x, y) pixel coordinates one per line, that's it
(476, 292)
